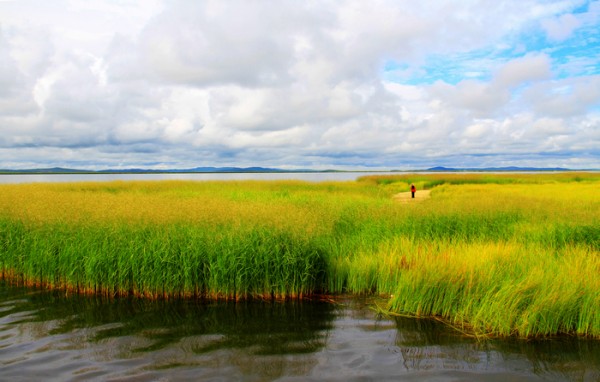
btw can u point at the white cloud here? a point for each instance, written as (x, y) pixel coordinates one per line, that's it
(531, 67)
(560, 28)
(10, 76)
(478, 130)
(479, 98)
(214, 42)
(565, 98)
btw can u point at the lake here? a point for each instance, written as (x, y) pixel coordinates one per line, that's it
(52, 337)
(306, 176)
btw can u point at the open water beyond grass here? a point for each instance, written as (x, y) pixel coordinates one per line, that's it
(52, 337)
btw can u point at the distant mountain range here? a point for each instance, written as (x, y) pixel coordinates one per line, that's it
(61, 170)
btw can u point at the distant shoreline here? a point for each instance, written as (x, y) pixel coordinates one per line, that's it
(260, 170)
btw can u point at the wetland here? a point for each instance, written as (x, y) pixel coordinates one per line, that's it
(491, 276)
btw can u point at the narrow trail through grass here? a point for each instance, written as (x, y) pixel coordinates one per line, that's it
(406, 197)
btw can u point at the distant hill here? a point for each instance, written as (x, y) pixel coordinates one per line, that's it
(52, 170)
(203, 170)
(61, 170)
(497, 169)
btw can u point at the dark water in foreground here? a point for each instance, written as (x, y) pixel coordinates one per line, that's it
(47, 336)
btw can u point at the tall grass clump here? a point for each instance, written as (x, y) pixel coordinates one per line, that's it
(505, 289)
(490, 254)
(161, 262)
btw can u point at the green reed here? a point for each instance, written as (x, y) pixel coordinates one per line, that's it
(173, 261)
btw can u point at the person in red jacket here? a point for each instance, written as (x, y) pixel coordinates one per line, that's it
(413, 189)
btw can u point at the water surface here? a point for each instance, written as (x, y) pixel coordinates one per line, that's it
(306, 176)
(52, 337)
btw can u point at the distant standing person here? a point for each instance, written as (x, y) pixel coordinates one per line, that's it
(413, 189)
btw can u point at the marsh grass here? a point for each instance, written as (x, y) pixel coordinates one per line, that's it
(499, 255)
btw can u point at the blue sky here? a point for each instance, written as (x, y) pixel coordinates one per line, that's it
(574, 54)
(316, 84)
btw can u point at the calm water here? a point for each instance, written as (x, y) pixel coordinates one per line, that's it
(48, 336)
(307, 176)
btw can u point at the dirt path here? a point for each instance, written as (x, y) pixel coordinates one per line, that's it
(420, 195)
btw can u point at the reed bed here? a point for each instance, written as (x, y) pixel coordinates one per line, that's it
(491, 254)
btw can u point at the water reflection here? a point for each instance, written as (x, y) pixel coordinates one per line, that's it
(252, 338)
(428, 344)
(45, 335)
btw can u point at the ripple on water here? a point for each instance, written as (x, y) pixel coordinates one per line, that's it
(44, 336)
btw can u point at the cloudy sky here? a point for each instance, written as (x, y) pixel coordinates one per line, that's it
(354, 84)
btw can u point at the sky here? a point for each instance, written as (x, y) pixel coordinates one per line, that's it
(354, 84)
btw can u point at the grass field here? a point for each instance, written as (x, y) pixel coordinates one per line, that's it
(490, 254)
